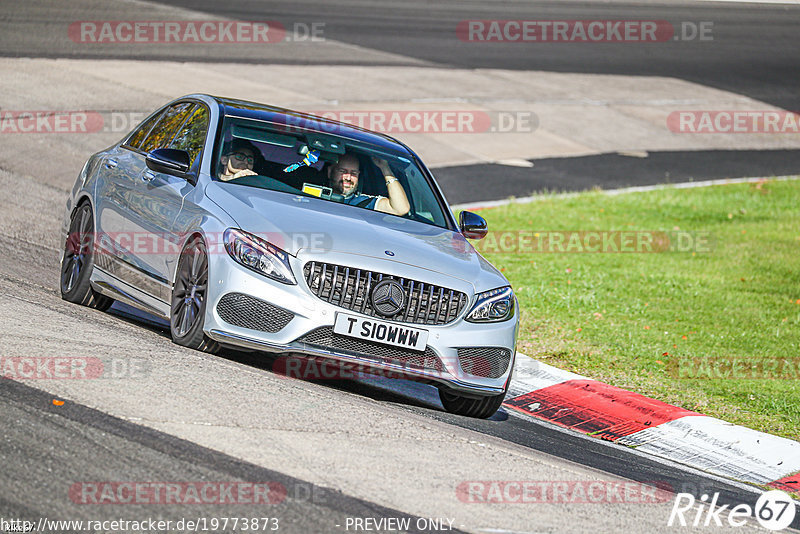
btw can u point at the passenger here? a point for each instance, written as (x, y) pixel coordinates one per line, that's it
(238, 160)
(344, 175)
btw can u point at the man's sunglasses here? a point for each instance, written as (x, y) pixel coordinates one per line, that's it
(241, 156)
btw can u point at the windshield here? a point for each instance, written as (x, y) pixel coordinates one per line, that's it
(328, 167)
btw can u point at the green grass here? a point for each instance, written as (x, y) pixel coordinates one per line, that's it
(628, 318)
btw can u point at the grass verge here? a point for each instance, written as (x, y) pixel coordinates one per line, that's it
(710, 322)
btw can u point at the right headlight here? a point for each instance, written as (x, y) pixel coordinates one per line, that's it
(493, 306)
(259, 255)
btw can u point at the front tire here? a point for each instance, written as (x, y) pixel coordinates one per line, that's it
(78, 261)
(188, 308)
(481, 408)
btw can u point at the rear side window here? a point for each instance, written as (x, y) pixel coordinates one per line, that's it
(167, 126)
(138, 136)
(192, 135)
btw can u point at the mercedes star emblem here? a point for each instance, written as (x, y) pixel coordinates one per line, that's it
(388, 297)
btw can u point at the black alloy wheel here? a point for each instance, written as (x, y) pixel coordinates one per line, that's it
(78, 261)
(188, 308)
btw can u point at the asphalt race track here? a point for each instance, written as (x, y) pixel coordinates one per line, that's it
(337, 451)
(754, 50)
(612, 171)
(752, 55)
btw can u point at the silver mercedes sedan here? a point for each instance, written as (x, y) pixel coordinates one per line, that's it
(251, 226)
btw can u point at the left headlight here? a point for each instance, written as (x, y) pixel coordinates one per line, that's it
(493, 306)
(258, 255)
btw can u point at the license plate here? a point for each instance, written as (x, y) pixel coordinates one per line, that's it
(381, 331)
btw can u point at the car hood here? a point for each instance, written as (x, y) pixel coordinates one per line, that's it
(298, 223)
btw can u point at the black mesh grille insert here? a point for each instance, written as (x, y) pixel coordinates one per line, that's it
(350, 288)
(249, 312)
(326, 338)
(485, 362)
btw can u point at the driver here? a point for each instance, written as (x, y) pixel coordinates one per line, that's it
(238, 160)
(344, 175)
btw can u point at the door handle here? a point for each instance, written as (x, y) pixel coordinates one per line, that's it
(111, 163)
(148, 176)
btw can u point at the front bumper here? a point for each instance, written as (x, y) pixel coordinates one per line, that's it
(414, 374)
(310, 313)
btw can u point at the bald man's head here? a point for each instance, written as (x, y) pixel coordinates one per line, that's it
(344, 175)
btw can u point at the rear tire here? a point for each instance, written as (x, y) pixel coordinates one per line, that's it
(188, 308)
(481, 408)
(78, 261)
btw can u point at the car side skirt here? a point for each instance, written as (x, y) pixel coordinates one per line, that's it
(107, 284)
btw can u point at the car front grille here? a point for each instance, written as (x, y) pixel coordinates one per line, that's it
(327, 339)
(484, 362)
(349, 288)
(249, 312)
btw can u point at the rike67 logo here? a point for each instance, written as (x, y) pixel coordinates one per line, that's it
(774, 510)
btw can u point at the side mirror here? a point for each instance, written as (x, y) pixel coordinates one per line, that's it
(472, 225)
(170, 161)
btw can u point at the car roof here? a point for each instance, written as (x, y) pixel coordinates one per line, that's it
(313, 123)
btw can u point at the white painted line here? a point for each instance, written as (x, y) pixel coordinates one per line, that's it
(613, 192)
(721, 448)
(515, 162)
(530, 375)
